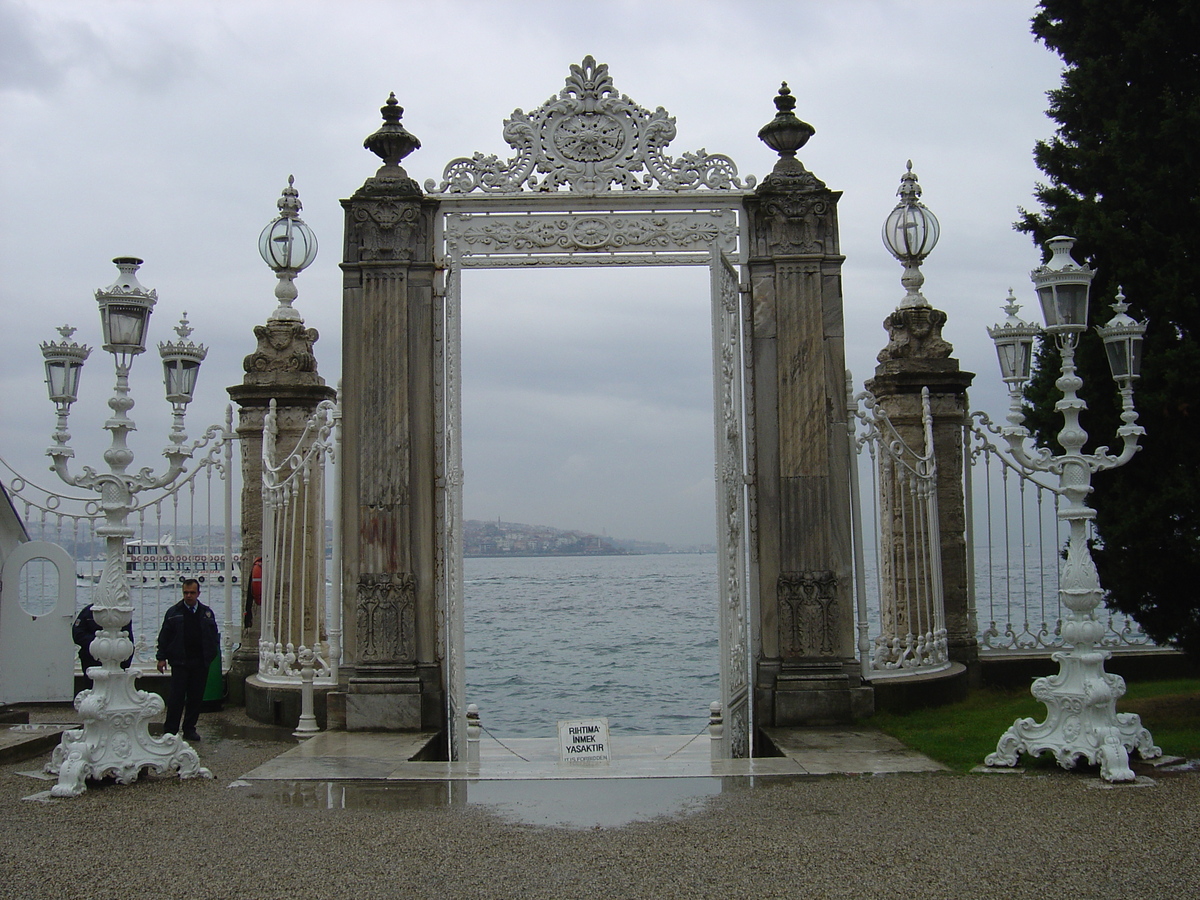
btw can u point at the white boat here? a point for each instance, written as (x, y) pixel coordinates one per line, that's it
(163, 562)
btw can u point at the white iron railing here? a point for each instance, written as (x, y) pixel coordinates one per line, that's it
(1015, 542)
(900, 598)
(300, 626)
(184, 531)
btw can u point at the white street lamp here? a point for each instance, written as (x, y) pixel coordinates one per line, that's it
(125, 308)
(1122, 338)
(1014, 349)
(910, 233)
(64, 365)
(288, 246)
(114, 739)
(181, 367)
(1082, 720)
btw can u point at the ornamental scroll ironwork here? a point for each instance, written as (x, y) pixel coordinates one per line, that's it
(731, 504)
(662, 236)
(587, 139)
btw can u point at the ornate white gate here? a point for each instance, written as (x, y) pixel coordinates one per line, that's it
(591, 186)
(732, 566)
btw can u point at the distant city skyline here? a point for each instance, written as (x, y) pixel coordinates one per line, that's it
(167, 131)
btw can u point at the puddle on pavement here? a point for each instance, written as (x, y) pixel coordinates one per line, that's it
(566, 803)
(236, 732)
(213, 728)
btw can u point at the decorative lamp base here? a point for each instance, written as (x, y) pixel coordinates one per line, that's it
(1082, 720)
(114, 740)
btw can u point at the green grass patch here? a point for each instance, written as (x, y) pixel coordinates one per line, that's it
(961, 734)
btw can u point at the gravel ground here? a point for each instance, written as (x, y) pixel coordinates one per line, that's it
(1054, 834)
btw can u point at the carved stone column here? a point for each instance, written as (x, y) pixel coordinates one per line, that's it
(917, 357)
(389, 609)
(806, 671)
(283, 368)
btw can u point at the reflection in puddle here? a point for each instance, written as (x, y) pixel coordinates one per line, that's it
(568, 803)
(232, 731)
(216, 728)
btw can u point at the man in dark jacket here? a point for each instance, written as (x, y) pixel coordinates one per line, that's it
(189, 642)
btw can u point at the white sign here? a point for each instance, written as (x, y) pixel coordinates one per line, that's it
(583, 740)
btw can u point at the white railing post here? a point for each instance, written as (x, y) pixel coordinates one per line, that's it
(860, 567)
(716, 732)
(474, 727)
(307, 726)
(335, 561)
(228, 642)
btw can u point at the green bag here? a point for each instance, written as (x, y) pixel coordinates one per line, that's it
(214, 688)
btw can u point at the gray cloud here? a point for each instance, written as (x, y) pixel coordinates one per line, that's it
(167, 130)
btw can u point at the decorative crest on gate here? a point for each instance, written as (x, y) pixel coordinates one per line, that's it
(588, 139)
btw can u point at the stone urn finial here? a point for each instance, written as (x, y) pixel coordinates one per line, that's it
(786, 133)
(392, 142)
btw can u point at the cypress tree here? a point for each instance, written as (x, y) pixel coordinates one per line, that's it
(1123, 172)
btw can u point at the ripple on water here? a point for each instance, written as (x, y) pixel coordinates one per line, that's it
(633, 638)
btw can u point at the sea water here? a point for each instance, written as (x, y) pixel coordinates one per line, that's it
(632, 638)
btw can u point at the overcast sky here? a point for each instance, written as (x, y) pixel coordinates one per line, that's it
(166, 130)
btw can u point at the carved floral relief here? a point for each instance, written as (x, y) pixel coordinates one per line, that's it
(808, 612)
(386, 618)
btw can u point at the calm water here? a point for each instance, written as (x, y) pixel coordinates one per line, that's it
(633, 638)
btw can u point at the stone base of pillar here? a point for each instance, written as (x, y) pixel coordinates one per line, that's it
(965, 650)
(820, 695)
(280, 704)
(405, 703)
(241, 667)
(909, 692)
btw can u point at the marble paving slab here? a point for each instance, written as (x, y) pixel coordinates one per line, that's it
(370, 756)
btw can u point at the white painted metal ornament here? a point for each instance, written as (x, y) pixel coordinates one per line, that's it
(589, 139)
(591, 186)
(288, 246)
(114, 739)
(659, 237)
(910, 233)
(307, 726)
(64, 364)
(301, 636)
(1082, 720)
(912, 615)
(731, 507)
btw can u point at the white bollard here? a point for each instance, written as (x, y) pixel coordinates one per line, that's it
(716, 730)
(473, 730)
(307, 726)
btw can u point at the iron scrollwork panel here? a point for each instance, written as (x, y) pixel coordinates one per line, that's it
(731, 506)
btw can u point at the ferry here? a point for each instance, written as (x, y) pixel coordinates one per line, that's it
(161, 561)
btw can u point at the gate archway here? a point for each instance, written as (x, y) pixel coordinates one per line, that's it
(590, 184)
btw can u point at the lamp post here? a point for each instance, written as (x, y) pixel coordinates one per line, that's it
(114, 739)
(1082, 720)
(288, 246)
(910, 233)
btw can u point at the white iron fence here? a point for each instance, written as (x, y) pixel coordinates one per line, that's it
(184, 531)
(900, 600)
(1015, 544)
(301, 627)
